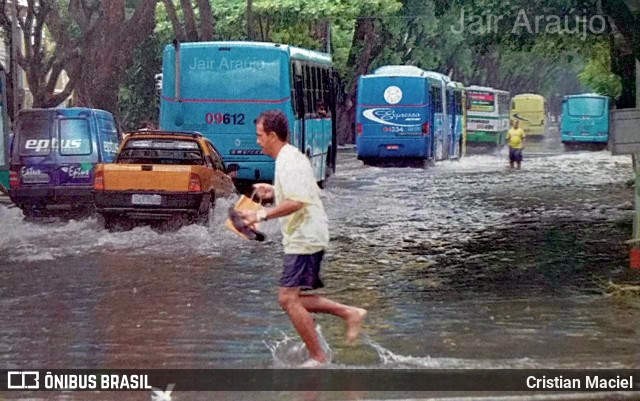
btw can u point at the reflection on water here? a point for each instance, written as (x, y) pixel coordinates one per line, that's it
(467, 264)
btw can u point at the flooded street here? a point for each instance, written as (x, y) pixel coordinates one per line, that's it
(462, 265)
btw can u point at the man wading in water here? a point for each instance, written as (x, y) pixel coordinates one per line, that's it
(305, 232)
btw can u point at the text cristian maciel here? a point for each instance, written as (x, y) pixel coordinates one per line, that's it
(589, 382)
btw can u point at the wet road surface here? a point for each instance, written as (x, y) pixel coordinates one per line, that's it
(464, 265)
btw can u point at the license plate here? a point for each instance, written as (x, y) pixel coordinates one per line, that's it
(585, 133)
(393, 147)
(142, 199)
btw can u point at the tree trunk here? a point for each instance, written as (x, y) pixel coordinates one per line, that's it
(178, 30)
(623, 58)
(189, 21)
(9, 91)
(251, 31)
(319, 32)
(107, 52)
(207, 23)
(365, 47)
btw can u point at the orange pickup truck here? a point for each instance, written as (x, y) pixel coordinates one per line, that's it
(161, 175)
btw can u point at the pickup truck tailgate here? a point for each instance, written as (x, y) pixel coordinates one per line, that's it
(158, 177)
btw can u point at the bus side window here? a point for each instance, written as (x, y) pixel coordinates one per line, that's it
(298, 89)
(308, 107)
(326, 88)
(314, 89)
(438, 97)
(292, 84)
(432, 96)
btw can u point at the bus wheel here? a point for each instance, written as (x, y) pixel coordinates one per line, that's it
(330, 169)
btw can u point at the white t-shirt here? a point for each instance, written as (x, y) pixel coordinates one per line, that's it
(306, 231)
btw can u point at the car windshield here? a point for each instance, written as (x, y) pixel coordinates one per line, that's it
(161, 151)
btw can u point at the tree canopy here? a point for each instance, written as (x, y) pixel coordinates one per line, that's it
(111, 49)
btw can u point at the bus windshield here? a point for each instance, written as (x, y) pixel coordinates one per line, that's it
(529, 104)
(586, 106)
(231, 73)
(481, 101)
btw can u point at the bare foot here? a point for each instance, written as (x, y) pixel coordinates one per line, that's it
(354, 324)
(313, 364)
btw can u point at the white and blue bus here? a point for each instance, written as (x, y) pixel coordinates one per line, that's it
(220, 88)
(487, 116)
(401, 116)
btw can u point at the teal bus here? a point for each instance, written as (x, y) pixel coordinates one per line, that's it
(585, 121)
(220, 88)
(5, 143)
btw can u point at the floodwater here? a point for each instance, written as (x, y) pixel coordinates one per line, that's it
(464, 265)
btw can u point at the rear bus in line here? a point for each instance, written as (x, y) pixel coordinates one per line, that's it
(487, 116)
(530, 111)
(220, 88)
(585, 122)
(399, 117)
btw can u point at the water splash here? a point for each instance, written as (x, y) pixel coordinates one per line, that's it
(390, 360)
(288, 352)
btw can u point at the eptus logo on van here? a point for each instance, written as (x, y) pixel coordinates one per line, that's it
(40, 145)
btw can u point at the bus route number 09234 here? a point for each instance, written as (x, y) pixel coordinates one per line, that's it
(226, 118)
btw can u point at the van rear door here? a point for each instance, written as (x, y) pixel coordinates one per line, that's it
(76, 150)
(33, 159)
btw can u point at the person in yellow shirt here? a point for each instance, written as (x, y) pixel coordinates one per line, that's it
(515, 138)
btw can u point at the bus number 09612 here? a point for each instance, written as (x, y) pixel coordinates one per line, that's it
(226, 118)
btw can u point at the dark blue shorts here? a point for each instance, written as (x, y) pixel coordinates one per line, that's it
(302, 271)
(515, 155)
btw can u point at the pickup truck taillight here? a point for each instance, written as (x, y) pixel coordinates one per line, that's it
(194, 183)
(14, 179)
(98, 181)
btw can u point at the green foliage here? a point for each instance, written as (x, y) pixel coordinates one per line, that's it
(597, 75)
(416, 32)
(138, 99)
